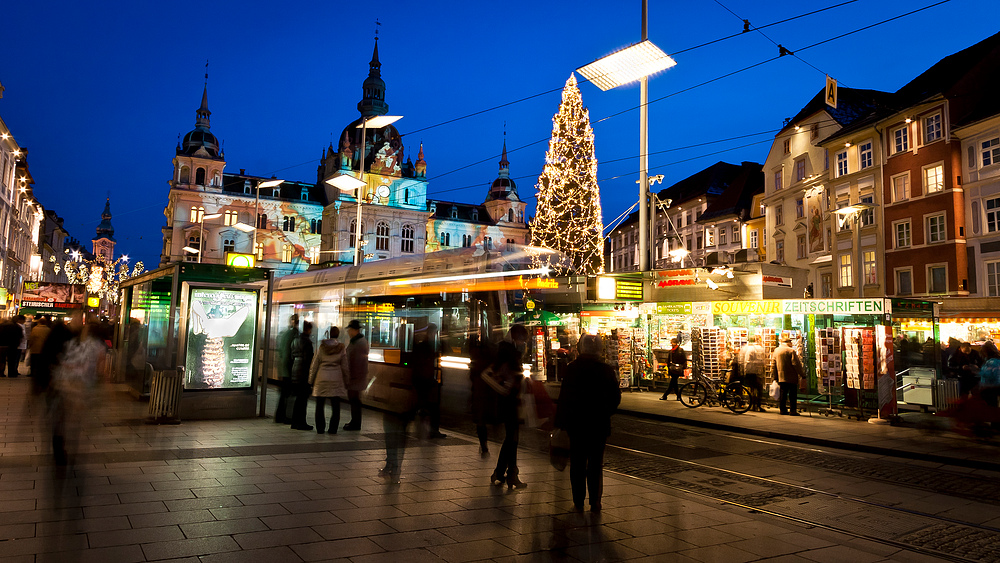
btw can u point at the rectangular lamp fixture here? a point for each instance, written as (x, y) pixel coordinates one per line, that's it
(627, 65)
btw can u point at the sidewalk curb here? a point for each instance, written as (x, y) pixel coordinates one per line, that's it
(887, 452)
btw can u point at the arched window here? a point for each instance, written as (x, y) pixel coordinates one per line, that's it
(382, 236)
(262, 221)
(510, 215)
(319, 226)
(230, 218)
(194, 242)
(246, 186)
(406, 195)
(305, 194)
(454, 212)
(286, 253)
(258, 249)
(312, 226)
(447, 239)
(407, 239)
(199, 177)
(288, 223)
(185, 174)
(354, 232)
(228, 244)
(217, 181)
(196, 214)
(475, 214)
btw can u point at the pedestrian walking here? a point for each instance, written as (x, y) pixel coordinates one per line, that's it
(328, 377)
(73, 381)
(590, 395)
(965, 364)
(989, 377)
(22, 345)
(285, 340)
(484, 399)
(400, 408)
(752, 358)
(36, 342)
(10, 339)
(427, 379)
(786, 367)
(357, 371)
(506, 378)
(677, 362)
(302, 358)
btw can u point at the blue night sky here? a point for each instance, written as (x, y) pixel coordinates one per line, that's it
(99, 91)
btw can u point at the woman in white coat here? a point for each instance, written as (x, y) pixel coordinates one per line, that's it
(328, 374)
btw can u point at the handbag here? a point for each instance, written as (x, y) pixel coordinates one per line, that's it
(559, 448)
(774, 390)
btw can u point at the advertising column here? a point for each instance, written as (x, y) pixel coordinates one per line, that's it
(222, 325)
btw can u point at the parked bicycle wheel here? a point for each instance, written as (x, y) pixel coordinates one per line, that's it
(693, 394)
(737, 398)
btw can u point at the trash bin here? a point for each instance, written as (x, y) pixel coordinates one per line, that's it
(165, 391)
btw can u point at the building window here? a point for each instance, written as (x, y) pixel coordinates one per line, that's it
(902, 234)
(868, 215)
(288, 223)
(510, 215)
(315, 226)
(246, 186)
(904, 282)
(305, 194)
(826, 286)
(991, 152)
(199, 177)
(723, 235)
(779, 250)
(698, 242)
(185, 174)
(230, 218)
(844, 221)
(800, 247)
(197, 213)
(454, 212)
(286, 253)
(382, 236)
(841, 163)
(194, 241)
(736, 233)
(932, 128)
(510, 245)
(865, 155)
(814, 132)
(846, 271)
(993, 279)
(354, 232)
(933, 179)
(900, 187)
(488, 243)
(993, 215)
(447, 239)
(276, 193)
(977, 220)
(800, 170)
(258, 249)
(779, 213)
(901, 139)
(753, 239)
(800, 208)
(787, 146)
(228, 245)
(407, 239)
(937, 279)
(869, 266)
(936, 229)
(777, 180)
(262, 221)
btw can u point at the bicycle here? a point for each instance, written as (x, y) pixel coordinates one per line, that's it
(734, 396)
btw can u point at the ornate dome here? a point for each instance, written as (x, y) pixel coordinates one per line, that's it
(201, 136)
(503, 187)
(384, 149)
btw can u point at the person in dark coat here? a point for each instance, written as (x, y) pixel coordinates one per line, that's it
(10, 338)
(677, 362)
(302, 357)
(484, 399)
(506, 378)
(285, 341)
(786, 367)
(590, 395)
(965, 363)
(426, 380)
(357, 370)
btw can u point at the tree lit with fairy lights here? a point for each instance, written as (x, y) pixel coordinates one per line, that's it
(568, 213)
(101, 277)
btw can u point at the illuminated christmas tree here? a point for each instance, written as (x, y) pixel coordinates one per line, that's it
(568, 213)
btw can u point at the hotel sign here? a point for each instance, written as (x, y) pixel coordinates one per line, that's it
(802, 306)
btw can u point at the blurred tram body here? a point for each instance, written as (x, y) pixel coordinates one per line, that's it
(463, 292)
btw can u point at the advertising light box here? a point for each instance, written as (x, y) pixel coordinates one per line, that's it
(222, 325)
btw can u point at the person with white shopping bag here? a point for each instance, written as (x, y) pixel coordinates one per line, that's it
(786, 369)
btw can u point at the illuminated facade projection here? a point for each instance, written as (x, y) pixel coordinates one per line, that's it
(215, 217)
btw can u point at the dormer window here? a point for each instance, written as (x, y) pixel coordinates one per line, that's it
(276, 193)
(305, 194)
(246, 186)
(454, 212)
(434, 207)
(475, 214)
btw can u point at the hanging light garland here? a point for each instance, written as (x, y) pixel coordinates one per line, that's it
(568, 213)
(101, 277)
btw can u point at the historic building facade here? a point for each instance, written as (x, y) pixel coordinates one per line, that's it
(20, 219)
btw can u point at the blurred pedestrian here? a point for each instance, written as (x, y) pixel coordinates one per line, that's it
(10, 339)
(73, 381)
(786, 367)
(328, 376)
(302, 358)
(484, 399)
(752, 359)
(22, 345)
(506, 378)
(676, 364)
(590, 395)
(285, 340)
(357, 371)
(989, 376)
(39, 367)
(400, 407)
(426, 378)
(965, 364)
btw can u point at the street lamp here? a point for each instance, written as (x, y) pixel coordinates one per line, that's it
(256, 210)
(854, 212)
(636, 62)
(347, 182)
(201, 236)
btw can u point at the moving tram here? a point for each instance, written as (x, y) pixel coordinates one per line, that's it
(462, 293)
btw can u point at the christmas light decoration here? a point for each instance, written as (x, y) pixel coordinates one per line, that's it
(101, 277)
(568, 214)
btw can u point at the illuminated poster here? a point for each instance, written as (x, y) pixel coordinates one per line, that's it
(222, 325)
(56, 296)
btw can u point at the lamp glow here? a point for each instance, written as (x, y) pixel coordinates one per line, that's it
(627, 65)
(191, 250)
(346, 182)
(244, 227)
(379, 121)
(270, 184)
(541, 271)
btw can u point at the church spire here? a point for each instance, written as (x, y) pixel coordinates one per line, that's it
(373, 100)
(201, 116)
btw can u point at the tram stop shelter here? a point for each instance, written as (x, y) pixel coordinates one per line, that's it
(191, 340)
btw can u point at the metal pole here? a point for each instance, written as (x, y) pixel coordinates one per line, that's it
(359, 193)
(256, 220)
(267, 345)
(201, 238)
(861, 256)
(644, 159)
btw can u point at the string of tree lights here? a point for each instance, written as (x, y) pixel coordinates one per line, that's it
(568, 209)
